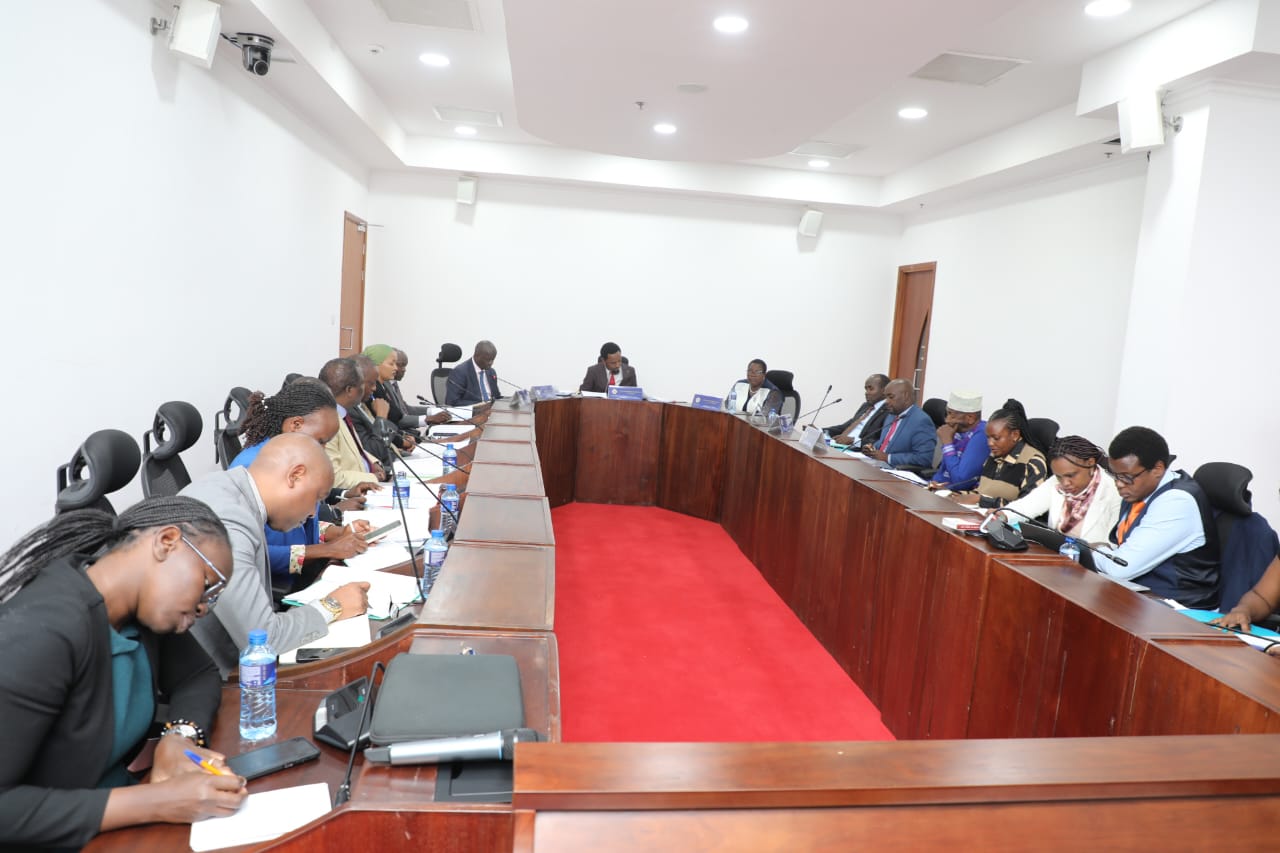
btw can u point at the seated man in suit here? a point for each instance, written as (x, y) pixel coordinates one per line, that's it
(1166, 531)
(474, 380)
(281, 487)
(609, 370)
(351, 464)
(909, 438)
(964, 444)
(868, 420)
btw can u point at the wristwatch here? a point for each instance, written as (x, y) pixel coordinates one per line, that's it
(187, 729)
(331, 604)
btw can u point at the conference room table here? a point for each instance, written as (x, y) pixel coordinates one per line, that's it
(1035, 703)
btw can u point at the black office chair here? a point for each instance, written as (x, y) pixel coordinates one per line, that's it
(1044, 432)
(104, 463)
(784, 380)
(226, 427)
(1246, 541)
(440, 376)
(936, 409)
(177, 427)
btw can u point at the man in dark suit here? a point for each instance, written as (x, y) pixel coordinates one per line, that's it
(864, 427)
(402, 414)
(474, 380)
(609, 370)
(910, 437)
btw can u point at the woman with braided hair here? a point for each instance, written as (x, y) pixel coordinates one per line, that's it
(1015, 465)
(94, 612)
(307, 406)
(1081, 498)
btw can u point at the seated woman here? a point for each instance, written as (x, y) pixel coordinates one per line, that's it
(385, 404)
(1256, 604)
(1081, 498)
(94, 612)
(304, 406)
(756, 394)
(1015, 466)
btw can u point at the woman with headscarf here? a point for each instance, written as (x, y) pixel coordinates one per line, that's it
(94, 611)
(1081, 498)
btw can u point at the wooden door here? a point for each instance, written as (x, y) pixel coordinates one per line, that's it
(351, 313)
(912, 312)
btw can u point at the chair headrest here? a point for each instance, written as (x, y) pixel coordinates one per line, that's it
(936, 409)
(105, 463)
(236, 397)
(783, 379)
(1226, 485)
(177, 426)
(449, 352)
(1044, 431)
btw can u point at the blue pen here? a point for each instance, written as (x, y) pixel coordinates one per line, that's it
(204, 763)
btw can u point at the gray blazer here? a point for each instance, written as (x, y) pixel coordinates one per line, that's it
(597, 378)
(246, 602)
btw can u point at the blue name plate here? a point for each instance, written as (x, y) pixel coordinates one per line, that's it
(543, 392)
(625, 392)
(706, 401)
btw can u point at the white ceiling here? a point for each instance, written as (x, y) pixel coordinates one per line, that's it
(565, 75)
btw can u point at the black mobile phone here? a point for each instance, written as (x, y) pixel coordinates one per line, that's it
(381, 531)
(405, 618)
(311, 655)
(277, 756)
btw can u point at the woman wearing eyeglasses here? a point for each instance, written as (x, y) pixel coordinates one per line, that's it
(756, 394)
(1080, 498)
(94, 613)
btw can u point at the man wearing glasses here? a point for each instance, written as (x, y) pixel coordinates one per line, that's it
(281, 488)
(1166, 530)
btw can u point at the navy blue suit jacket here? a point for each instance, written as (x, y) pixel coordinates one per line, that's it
(915, 440)
(464, 385)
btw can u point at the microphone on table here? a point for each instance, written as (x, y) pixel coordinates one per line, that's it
(520, 397)
(366, 699)
(820, 408)
(821, 405)
(493, 746)
(1119, 561)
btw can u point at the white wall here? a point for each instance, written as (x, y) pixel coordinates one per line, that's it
(169, 232)
(1032, 295)
(691, 289)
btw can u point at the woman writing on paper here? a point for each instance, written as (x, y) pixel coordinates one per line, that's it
(1081, 498)
(94, 611)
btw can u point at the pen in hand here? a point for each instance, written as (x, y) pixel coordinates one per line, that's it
(204, 763)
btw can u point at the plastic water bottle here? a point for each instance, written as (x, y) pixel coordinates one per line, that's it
(402, 486)
(257, 688)
(437, 548)
(1070, 550)
(450, 459)
(449, 504)
(731, 402)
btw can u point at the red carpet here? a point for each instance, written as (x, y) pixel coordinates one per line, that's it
(668, 633)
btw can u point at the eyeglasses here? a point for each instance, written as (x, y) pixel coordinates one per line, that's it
(211, 590)
(1127, 479)
(755, 373)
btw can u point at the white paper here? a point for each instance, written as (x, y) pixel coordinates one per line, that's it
(387, 592)
(449, 429)
(383, 554)
(263, 817)
(418, 519)
(908, 476)
(461, 412)
(594, 394)
(953, 523)
(350, 633)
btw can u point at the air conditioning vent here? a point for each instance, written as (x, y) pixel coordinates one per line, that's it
(826, 150)
(461, 115)
(447, 14)
(967, 68)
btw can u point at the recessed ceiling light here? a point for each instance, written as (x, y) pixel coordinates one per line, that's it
(912, 112)
(731, 24)
(1107, 8)
(434, 60)
(818, 163)
(665, 128)
(465, 130)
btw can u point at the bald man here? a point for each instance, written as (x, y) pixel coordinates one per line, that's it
(909, 437)
(280, 488)
(474, 380)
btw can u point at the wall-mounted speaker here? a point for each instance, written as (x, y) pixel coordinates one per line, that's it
(194, 34)
(811, 223)
(467, 190)
(1141, 122)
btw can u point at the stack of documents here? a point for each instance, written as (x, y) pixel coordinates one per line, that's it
(387, 592)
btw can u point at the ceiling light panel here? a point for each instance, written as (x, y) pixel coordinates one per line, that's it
(731, 24)
(462, 115)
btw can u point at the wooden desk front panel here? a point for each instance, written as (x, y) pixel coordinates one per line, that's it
(504, 452)
(512, 417)
(557, 442)
(518, 480)
(1209, 684)
(438, 829)
(618, 443)
(503, 587)
(741, 487)
(691, 461)
(515, 520)
(521, 433)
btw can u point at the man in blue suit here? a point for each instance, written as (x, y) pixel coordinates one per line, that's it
(909, 437)
(474, 380)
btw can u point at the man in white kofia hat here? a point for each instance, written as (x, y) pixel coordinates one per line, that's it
(963, 439)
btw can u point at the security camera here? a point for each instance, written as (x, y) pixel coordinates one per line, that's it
(257, 52)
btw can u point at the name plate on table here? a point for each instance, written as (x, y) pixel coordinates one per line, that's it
(543, 392)
(622, 392)
(810, 437)
(706, 401)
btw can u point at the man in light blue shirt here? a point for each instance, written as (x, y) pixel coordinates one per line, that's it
(1166, 532)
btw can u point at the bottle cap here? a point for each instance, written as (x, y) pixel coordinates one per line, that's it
(257, 637)
(437, 534)
(448, 447)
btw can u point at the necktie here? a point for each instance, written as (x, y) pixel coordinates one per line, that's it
(884, 445)
(484, 387)
(612, 379)
(1122, 532)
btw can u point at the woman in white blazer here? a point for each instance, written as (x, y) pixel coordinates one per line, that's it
(1080, 498)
